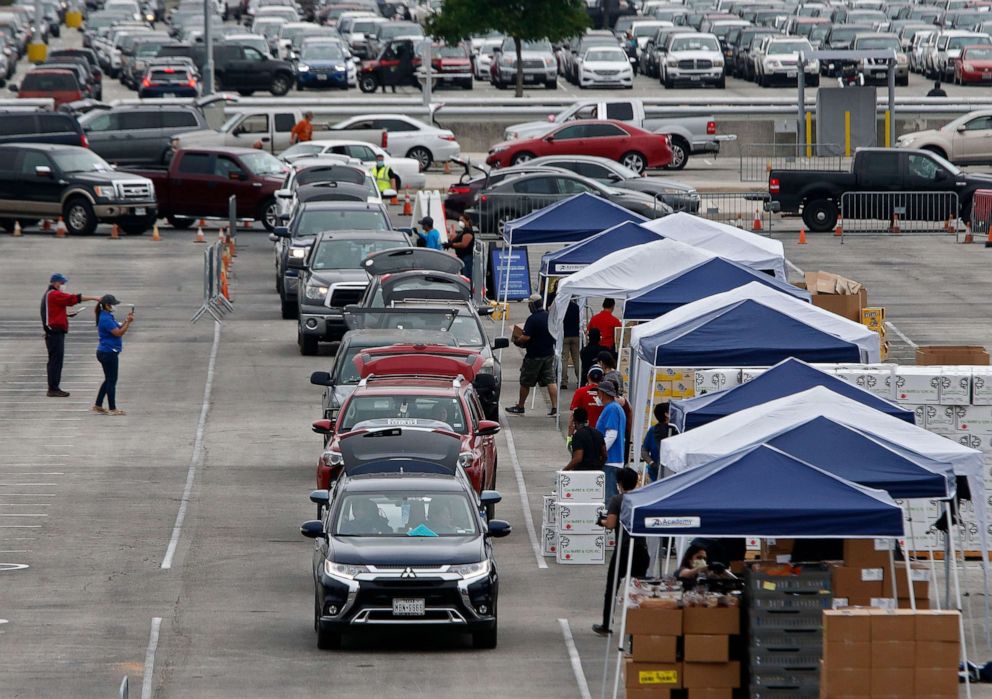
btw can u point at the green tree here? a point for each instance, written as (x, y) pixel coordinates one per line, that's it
(522, 20)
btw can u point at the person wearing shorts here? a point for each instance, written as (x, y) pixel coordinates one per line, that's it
(538, 367)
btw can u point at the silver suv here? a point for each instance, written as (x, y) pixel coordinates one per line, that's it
(139, 134)
(539, 62)
(695, 59)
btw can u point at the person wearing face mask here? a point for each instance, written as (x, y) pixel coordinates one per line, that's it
(693, 563)
(382, 174)
(463, 244)
(538, 367)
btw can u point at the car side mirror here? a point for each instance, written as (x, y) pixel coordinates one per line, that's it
(284, 194)
(501, 343)
(487, 428)
(43, 171)
(550, 138)
(273, 238)
(961, 129)
(490, 497)
(320, 378)
(323, 426)
(320, 497)
(498, 528)
(237, 176)
(314, 529)
(281, 232)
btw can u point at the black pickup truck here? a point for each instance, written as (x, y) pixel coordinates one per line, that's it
(817, 194)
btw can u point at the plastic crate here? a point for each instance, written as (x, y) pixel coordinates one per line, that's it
(809, 581)
(786, 661)
(785, 619)
(784, 679)
(774, 640)
(762, 693)
(816, 600)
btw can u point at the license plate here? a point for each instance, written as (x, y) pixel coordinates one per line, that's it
(791, 74)
(321, 77)
(694, 78)
(408, 607)
(169, 94)
(140, 211)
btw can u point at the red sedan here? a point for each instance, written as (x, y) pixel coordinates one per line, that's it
(636, 148)
(974, 65)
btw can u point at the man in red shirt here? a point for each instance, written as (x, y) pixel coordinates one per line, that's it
(55, 321)
(606, 322)
(588, 397)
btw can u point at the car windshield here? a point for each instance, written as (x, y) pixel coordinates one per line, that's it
(364, 26)
(330, 173)
(392, 30)
(405, 514)
(643, 30)
(958, 42)
(263, 164)
(79, 160)
(878, 42)
(346, 254)
(381, 407)
(49, 82)
(312, 222)
(466, 330)
(449, 51)
(695, 43)
(323, 52)
(978, 54)
(788, 47)
(819, 31)
(612, 55)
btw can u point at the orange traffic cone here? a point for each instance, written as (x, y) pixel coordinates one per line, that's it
(407, 205)
(199, 233)
(156, 237)
(60, 229)
(756, 224)
(17, 229)
(839, 230)
(447, 167)
(221, 235)
(46, 225)
(802, 235)
(894, 226)
(115, 232)
(968, 237)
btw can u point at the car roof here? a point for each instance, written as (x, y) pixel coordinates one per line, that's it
(409, 482)
(387, 337)
(359, 235)
(340, 205)
(222, 150)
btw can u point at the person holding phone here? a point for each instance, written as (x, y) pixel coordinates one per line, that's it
(108, 352)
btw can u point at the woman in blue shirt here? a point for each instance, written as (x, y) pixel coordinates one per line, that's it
(108, 350)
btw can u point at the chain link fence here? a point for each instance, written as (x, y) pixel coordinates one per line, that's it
(900, 213)
(758, 159)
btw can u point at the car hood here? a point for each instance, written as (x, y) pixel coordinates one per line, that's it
(325, 63)
(984, 181)
(605, 65)
(654, 186)
(407, 550)
(336, 276)
(105, 176)
(201, 136)
(916, 135)
(530, 129)
(687, 55)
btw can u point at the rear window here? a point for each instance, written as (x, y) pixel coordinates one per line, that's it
(195, 164)
(56, 123)
(49, 82)
(169, 75)
(312, 222)
(330, 174)
(14, 124)
(178, 120)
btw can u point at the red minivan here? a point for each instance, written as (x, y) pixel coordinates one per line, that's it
(59, 84)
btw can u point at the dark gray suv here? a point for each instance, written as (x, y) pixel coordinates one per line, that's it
(139, 134)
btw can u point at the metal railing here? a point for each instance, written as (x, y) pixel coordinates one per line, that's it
(758, 159)
(745, 210)
(216, 297)
(981, 213)
(900, 213)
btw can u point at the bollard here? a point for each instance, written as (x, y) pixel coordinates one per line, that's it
(17, 229)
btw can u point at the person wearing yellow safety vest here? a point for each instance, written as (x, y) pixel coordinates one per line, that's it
(382, 174)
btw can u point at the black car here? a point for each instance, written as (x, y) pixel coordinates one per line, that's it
(47, 181)
(239, 67)
(404, 549)
(26, 126)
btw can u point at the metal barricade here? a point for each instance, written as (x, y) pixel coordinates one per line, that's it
(981, 214)
(758, 159)
(745, 210)
(900, 213)
(216, 263)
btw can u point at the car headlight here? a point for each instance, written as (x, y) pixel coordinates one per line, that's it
(471, 570)
(465, 459)
(345, 571)
(339, 68)
(303, 67)
(499, 149)
(718, 63)
(549, 62)
(969, 67)
(105, 191)
(489, 367)
(298, 253)
(672, 62)
(317, 292)
(332, 458)
(150, 17)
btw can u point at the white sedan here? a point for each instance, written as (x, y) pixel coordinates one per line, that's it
(605, 66)
(408, 137)
(406, 170)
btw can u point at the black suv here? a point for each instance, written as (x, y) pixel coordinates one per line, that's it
(47, 181)
(239, 67)
(404, 549)
(25, 126)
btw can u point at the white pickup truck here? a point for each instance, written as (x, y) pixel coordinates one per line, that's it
(690, 135)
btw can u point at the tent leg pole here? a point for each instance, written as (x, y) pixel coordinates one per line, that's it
(613, 607)
(957, 597)
(911, 549)
(892, 572)
(668, 554)
(623, 621)
(909, 581)
(947, 558)
(933, 573)
(964, 571)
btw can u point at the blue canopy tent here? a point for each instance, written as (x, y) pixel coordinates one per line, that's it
(711, 277)
(628, 234)
(567, 221)
(785, 378)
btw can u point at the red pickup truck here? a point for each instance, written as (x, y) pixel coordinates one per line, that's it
(197, 183)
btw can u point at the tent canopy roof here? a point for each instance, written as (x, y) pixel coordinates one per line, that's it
(560, 263)
(567, 221)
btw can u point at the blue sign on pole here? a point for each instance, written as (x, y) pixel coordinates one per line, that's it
(515, 265)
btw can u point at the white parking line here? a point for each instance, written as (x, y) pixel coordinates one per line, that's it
(524, 501)
(149, 673)
(197, 458)
(576, 660)
(22, 514)
(901, 334)
(20, 526)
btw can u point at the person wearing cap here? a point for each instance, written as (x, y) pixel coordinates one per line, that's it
(587, 396)
(430, 235)
(108, 351)
(55, 321)
(302, 131)
(612, 424)
(538, 368)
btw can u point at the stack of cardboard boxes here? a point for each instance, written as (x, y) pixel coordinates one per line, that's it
(570, 532)
(681, 653)
(865, 578)
(890, 653)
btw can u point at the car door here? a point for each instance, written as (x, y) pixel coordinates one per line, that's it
(253, 128)
(103, 132)
(282, 125)
(486, 445)
(402, 135)
(230, 178)
(606, 141)
(925, 175)
(141, 131)
(190, 186)
(568, 140)
(972, 142)
(38, 193)
(9, 179)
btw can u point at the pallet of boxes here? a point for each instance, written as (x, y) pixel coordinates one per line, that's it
(865, 577)
(681, 646)
(570, 530)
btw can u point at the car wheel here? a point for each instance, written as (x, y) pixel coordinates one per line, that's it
(521, 158)
(635, 161)
(820, 215)
(137, 227)
(484, 640)
(815, 81)
(308, 344)
(290, 309)
(327, 639)
(422, 156)
(680, 154)
(179, 222)
(78, 216)
(721, 83)
(553, 85)
(368, 84)
(280, 85)
(268, 214)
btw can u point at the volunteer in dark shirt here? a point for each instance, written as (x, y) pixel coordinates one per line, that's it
(651, 448)
(588, 447)
(55, 321)
(570, 345)
(538, 367)
(588, 354)
(626, 482)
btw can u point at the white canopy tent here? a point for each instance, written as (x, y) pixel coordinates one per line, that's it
(744, 247)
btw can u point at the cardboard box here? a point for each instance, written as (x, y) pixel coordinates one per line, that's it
(893, 654)
(842, 683)
(937, 625)
(549, 541)
(580, 486)
(549, 516)
(876, 381)
(937, 654)
(856, 583)
(917, 384)
(848, 625)
(749, 374)
(920, 574)
(712, 380)
(892, 682)
(711, 675)
(579, 517)
(653, 649)
(660, 675)
(836, 294)
(654, 621)
(581, 548)
(516, 331)
(873, 317)
(951, 354)
(955, 385)
(867, 553)
(847, 654)
(938, 417)
(892, 625)
(716, 621)
(670, 374)
(706, 648)
(981, 385)
(848, 305)
(974, 419)
(936, 681)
